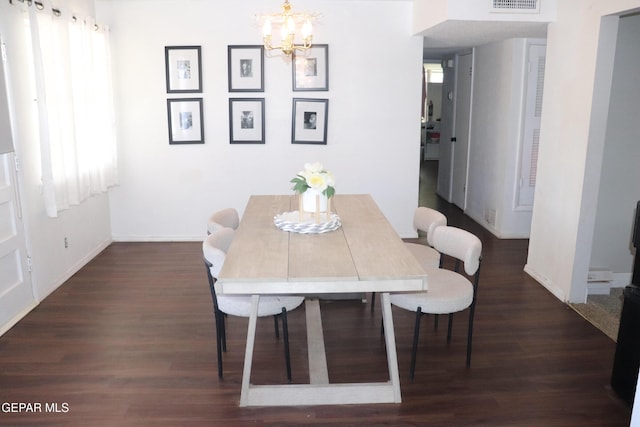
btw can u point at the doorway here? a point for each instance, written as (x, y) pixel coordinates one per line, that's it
(460, 140)
(618, 192)
(430, 131)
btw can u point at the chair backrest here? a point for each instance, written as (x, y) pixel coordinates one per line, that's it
(427, 220)
(223, 218)
(214, 249)
(459, 244)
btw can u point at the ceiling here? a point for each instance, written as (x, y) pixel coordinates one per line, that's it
(447, 38)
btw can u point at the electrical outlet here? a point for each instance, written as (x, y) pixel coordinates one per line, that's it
(66, 243)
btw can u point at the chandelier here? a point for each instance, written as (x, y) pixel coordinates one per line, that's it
(288, 21)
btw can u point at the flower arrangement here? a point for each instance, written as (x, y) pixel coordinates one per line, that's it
(314, 176)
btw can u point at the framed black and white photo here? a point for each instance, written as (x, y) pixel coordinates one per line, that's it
(183, 69)
(186, 124)
(246, 120)
(246, 68)
(309, 122)
(311, 68)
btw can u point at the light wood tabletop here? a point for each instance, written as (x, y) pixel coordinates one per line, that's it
(364, 255)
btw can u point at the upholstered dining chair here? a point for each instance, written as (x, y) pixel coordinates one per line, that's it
(214, 250)
(449, 291)
(227, 217)
(425, 220)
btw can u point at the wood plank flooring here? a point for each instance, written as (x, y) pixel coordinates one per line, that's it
(130, 341)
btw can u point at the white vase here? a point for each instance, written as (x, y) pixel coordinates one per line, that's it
(309, 201)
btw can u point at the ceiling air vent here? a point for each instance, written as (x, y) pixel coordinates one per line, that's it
(515, 6)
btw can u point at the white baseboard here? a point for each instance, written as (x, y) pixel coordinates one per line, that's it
(11, 323)
(545, 282)
(42, 293)
(598, 288)
(620, 280)
(139, 238)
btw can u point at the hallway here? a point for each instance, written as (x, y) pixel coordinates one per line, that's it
(428, 197)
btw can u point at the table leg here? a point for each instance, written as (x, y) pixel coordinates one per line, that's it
(318, 372)
(319, 391)
(390, 340)
(248, 353)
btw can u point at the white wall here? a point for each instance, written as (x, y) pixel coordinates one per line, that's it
(619, 191)
(497, 107)
(86, 227)
(574, 118)
(495, 135)
(166, 192)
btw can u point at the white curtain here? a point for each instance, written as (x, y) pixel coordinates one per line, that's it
(75, 107)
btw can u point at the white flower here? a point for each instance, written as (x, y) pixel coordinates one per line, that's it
(330, 179)
(313, 167)
(317, 181)
(314, 176)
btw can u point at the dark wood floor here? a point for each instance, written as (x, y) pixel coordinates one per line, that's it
(129, 340)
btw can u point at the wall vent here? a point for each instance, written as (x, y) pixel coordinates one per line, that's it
(515, 6)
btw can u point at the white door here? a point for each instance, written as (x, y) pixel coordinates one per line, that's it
(461, 131)
(447, 125)
(16, 292)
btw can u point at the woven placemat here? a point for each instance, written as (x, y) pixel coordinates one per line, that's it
(290, 221)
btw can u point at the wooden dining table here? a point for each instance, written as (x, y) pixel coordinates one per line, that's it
(364, 255)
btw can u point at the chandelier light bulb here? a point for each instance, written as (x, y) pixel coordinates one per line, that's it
(266, 28)
(307, 29)
(291, 25)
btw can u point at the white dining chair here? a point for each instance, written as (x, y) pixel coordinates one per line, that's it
(425, 220)
(227, 217)
(214, 250)
(449, 291)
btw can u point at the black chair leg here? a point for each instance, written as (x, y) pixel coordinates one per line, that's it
(449, 328)
(373, 300)
(285, 333)
(219, 319)
(435, 321)
(275, 323)
(470, 335)
(223, 330)
(414, 350)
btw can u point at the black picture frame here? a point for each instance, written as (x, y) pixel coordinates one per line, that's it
(310, 69)
(185, 119)
(183, 69)
(309, 121)
(246, 121)
(245, 64)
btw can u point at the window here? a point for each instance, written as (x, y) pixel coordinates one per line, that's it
(75, 108)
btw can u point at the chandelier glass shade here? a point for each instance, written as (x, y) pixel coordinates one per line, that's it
(287, 21)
